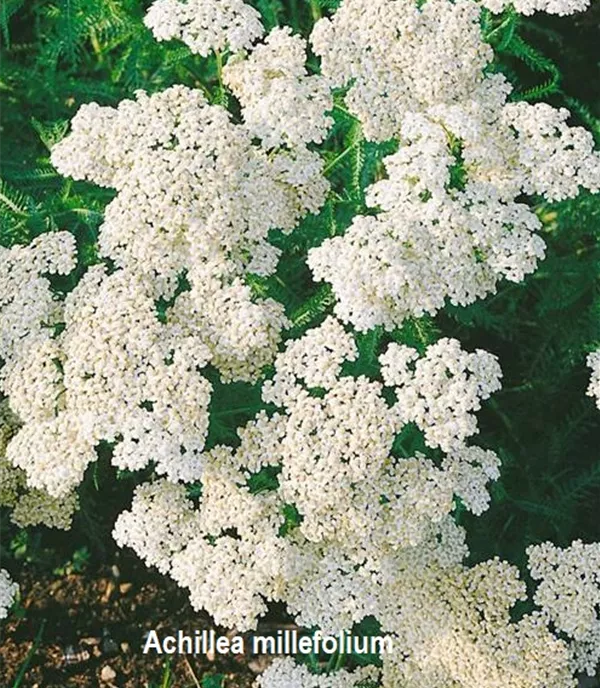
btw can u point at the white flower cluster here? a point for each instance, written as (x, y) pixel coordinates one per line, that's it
(160, 523)
(37, 507)
(284, 673)
(316, 360)
(227, 553)
(30, 377)
(593, 390)
(440, 391)
(241, 335)
(195, 201)
(281, 103)
(450, 624)
(449, 225)
(569, 594)
(527, 7)
(466, 637)
(354, 500)
(400, 58)
(234, 562)
(585, 652)
(372, 533)
(8, 592)
(28, 307)
(29, 506)
(205, 25)
(194, 193)
(195, 198)
(116, 374)
(554, 160)
(569, 591)
(351, 554)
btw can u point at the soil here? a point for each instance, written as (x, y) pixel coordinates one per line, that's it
(90, 629)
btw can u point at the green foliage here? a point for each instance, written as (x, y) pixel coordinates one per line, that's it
(7, 10)
(77, 564)
(265, 480)
(292, 519)
(545, 426)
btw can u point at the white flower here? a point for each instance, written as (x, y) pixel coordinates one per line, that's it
(555, 159)
(205, 25)
(593, 390)
(449, 225)
(160, 523)
(285, 673)
(37, 507)
(8, 592)
(195, 197)
(281, 103)
(28, 307)
(400, 58)
(569, 588)
(527, 7)
(441, 390)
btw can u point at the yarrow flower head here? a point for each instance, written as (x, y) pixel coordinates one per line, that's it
(528, 7)
(281, 103)
(8, 592)
(205, 25)
(593, 390)
(569, 595)
(193, 189)
(285, 673)
(569, 588)
(440, 235)
(160, 523)
(440, 391)
(394, 55)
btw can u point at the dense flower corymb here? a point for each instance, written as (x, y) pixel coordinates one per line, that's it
(394, 55)
(8, 592)
(281, 103)
(205, 25)
(527, 7)
(440, 391)
(435, 235)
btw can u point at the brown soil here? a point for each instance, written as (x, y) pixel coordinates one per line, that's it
(89, 622)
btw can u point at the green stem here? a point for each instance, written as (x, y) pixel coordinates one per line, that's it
(29, 657)
(346, 112)
(166, 680)
(198, 81)
(314, 661)
(315, 8)
(294, 14)
(340, 157)
(339, 662)
(219, 57)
